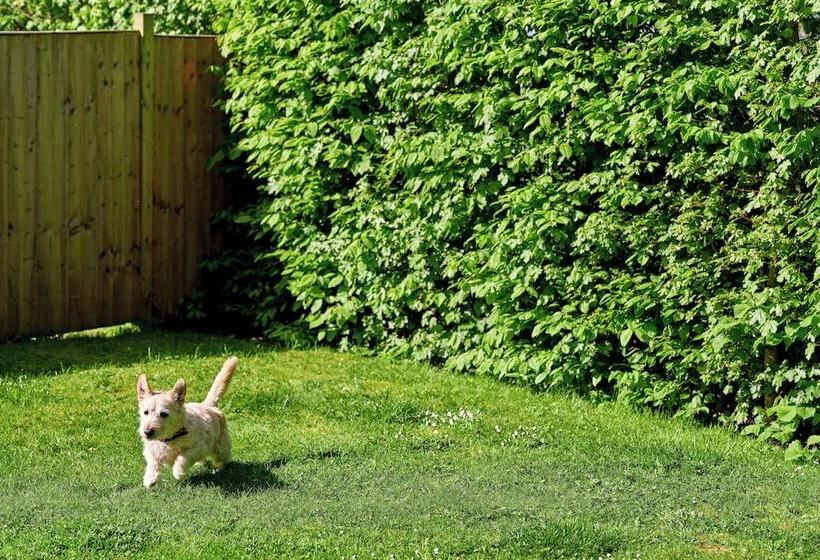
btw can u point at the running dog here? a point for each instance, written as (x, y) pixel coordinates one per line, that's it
(182, 434)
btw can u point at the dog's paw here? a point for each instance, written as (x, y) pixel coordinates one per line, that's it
(149, 482)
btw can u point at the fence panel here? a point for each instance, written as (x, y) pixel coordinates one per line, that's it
(187, 132)
(72, 210)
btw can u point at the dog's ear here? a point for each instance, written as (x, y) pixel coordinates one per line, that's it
(178, 391)
(143, 390)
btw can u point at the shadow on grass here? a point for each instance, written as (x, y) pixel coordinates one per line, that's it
(117, 346)
(241, 478)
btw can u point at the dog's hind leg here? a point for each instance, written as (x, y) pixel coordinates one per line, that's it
(222, 451)
(181, 467)
(220, 459)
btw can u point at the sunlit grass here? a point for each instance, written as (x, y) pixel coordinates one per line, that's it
(338, 455)
(105, 332)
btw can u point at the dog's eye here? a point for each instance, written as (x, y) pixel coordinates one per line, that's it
(145, 412)
(163, 414)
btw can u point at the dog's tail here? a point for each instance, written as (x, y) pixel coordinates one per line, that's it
(223, 379)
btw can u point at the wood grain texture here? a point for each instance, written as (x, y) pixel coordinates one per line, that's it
(144, 24)
(93, 232)
(5, 125)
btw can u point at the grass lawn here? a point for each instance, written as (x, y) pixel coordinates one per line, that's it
(341, 456)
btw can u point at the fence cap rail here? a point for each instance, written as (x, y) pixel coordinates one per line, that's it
(184, 36)
(107, 31)
(77, 32)
(70, 32)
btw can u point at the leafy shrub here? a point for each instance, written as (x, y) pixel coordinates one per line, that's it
(618, 197)
(173, 16)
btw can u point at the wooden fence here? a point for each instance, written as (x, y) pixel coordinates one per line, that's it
(105, 197)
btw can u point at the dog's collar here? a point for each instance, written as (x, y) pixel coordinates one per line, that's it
(179, 434)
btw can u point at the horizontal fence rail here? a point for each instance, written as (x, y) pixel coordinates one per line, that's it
(105, 196)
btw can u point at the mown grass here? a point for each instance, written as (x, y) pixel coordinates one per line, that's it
(338, 456)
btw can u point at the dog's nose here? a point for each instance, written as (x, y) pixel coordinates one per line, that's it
(149, 433)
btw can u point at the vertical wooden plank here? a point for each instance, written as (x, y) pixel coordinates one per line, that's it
(17, 154)
(167, 74)
(77, 224)
(43, 183)
(5, 189)
(176, 272)
(91, 180)
(65, 44)
(51, 143)
(50, 167)
(133, 112)
(166, 158)
(144, 23)
(29, 277)
(160, 176)
(119, 186)
(192, 182)
(108, 165)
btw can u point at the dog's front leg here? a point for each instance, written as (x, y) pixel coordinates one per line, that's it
(151, 473)
(181, 467)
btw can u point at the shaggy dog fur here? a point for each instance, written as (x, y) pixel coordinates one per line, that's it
(180, 434)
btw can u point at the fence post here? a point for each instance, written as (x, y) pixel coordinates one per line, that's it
(144, 23)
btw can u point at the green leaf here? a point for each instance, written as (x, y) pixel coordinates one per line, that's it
(565, 150)
(370, 133)
(355, 133)
(719, 342)
(795, 452)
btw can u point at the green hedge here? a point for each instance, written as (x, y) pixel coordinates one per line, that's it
(619, 197)
(173, 16)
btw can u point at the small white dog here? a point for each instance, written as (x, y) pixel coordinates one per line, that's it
(180, 434)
